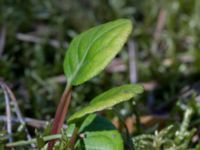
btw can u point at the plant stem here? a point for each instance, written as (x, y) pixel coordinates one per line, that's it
(73, 139)
(61, 112)
(137, 116)
(129, 141)
(46, 138)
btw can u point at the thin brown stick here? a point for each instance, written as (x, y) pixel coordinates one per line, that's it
(61, 112)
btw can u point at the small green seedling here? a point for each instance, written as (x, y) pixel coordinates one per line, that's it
(88, 54)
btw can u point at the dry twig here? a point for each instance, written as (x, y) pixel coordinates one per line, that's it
(29, 121)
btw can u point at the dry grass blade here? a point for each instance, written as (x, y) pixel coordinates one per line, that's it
(35, 39)
(160, 24)
(132, 61)
(2, 39)
(159, 28)
(17, 110)
(8, 111)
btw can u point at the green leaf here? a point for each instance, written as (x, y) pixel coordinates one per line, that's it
(109, 99)
(70, 130)
(90, 52)
(95, 122)
(103, 140)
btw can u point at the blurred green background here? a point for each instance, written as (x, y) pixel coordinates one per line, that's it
(34, 35)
